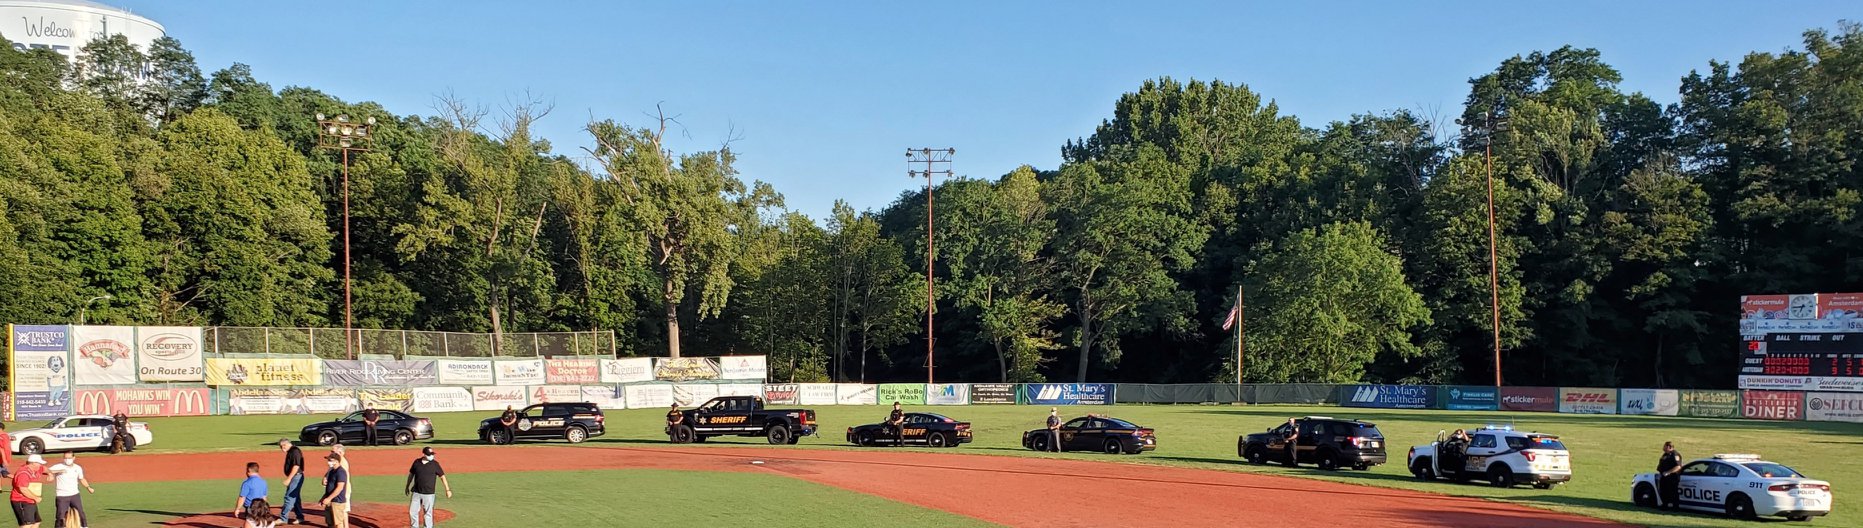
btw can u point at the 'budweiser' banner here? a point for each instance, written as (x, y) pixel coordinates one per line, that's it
(144, 402)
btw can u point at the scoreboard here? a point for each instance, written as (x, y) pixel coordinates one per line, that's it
(1810, 361)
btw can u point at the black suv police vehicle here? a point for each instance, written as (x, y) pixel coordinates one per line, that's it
(574, 422)
(1323, 441)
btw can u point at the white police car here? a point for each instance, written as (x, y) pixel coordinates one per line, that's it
(76, 433)
(1500, 456)
(1742, 486)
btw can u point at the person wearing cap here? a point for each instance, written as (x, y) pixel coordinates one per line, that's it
(292, 506)
(420, 487)
(1669, 478)
(253, 487)
(336, 490)
(673, 419)
(26, 485)
(1054, 429)
(66, 478)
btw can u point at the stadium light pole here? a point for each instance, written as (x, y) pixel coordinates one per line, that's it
(87, 305)
(1494, 267)
(342, 135)
(932, 158)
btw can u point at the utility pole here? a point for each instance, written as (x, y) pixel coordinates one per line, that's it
(1494, 267)
(933, 159)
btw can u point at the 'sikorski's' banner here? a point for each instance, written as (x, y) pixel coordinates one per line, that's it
(291, 401)
(648, 395)
(387, 399)
(169, 353)
(627, 370)
(572, 371)
(497, 398)
(103, 355)
(685, 369)
(466, 372)
(513, 372)
(376, 373)
(144, 402)
(246, 372)
(743, 368)
(41, 376)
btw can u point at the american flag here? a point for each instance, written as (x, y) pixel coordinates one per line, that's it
(1235, 310)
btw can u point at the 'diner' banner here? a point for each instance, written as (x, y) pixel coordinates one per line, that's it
(1658, 402)
(291, 401)
(743, 368)
(1772, 405)
(1834, 407)
(904, 393)
(627, 370)
(1388, 396)
(465, 372)
(169, 353)
(497, 398)
(41, 378)
(783, 394)
(1469, 398)
(572, 371)
(947, 394)
(143, 402)
(387, 399)
(1710, 404)
(1530, 399)
(1068, 393)
(377, 373)
(520, 371)
(993, 393)
(816, 394)
(442, 399)
(685, 369)
(1581, 400)
(238, 372)
(648, 395)
(103, 355)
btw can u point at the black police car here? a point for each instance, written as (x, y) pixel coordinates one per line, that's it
(1324, 441)
(932, 430)
(574, 422)
(390, 426)
(1096, 433)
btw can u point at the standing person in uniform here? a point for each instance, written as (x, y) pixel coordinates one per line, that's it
(252, 488)
(420, 487)
(1455, 453)
(897, 422)
(67, 476)
(1054, 429)
(293, 503)
(369, 417)
(335, 499)
(1289, 441)
(673, 419)
(1669, 478)
(509, 420)
(26, 486)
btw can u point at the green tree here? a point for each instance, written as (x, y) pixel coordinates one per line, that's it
(1327, 303)
(994, 236)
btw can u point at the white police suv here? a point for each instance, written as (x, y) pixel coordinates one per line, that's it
(1742, 486)
(1498, 455)
(76, 433)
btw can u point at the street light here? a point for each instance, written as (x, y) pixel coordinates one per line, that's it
(87, 305)
(342, 135)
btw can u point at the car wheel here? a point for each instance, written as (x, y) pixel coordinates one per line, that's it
(32, 446)
(778, 434)
(576, 434)
(1328, 461)
(1421, 468)
(1113, 447)
(864, 439)
(937, 440)
(1644, 496)
(1740, 507)
(1361, 467)
(1501, 476)
(1254, 455)
(327, 437)
(681, 434)
(499, 437)
(794, 439)
(1039, 444)
(403, 437)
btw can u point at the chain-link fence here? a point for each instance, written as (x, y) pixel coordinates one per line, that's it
(329, 343)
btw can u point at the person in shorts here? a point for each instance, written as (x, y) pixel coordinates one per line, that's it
(26, 485)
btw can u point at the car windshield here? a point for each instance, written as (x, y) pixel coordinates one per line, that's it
(1771, 470)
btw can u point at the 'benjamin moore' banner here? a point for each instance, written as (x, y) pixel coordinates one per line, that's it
(1834, 407)
(1469, 398)
(1388, 396)
(993, 393)
(605, 397)
(648, 395)
(144, 402)
(169, 353)
(947, 394)
(290, 401)
(1710, 404)
(465, 372)
(904, 393)
(743, 368)
(1530, 399)
(103, 355)
(572, 371)
(1068, 393)
(442, 399)
(685, 369)
(1580, 400)
(856, 394)
(387, 399)
(627, 370)
(377, 373)
(816, 394)
(1772, 405)
(242, 372)
(782, 394)
(520, 371)
(1658, 402)
(497, 398)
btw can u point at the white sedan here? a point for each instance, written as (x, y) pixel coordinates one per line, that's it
(76, 433)
(1742, 486)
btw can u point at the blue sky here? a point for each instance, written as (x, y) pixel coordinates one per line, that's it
(827, 95)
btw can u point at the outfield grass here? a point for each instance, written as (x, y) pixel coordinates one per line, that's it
(1607, 450)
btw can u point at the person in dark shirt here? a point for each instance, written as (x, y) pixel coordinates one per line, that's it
(509, 420)
(335, 493)
(673, 419)
(1289, 440)
(897, 423)
(420, 486)
(369, 418)
(120, 440)
(1054, 430)
(1455, 453)
(293, 503)
(1669, 478)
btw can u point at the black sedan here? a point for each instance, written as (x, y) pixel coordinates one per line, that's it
(1095, 433)
(926, 429)
(391, 426)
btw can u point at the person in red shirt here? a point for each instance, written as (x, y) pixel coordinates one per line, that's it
(26, 484)
(6, 455)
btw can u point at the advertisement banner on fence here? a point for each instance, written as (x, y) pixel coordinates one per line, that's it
(685, 369)
(519, 371)
(1767, 307)
(816, 394)
(627, 370)
(1834, 407)
(1710, 404)
(169, 353)
(740, 389)
(1581, 400)
(465, 372)
(1772, 405)
(648, 395)
(690, 394)
(1469, 398)
(605, 397)
(1388, 396)
(993, 393)
(555, 394)
(143, 402)
(498, 397)
(782, 394)
(103, 355)
(377, 373)
(238, 372)
(38, 371)
(904, 393)
(572, 371)
(442, 399)
(743, 368)
(1658, 402)
(40, 405)
(1068, 393)
(291, 401)
(856, 394)
(1530, 399)
(387, 399)
(947, 394)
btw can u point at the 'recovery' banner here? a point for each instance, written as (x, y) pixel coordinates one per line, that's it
(169, 353)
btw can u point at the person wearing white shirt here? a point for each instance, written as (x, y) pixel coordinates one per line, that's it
(67, 476)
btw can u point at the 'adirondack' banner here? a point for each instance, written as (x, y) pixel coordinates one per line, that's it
(1772, 405)
(572, 371)
(169, 353)
(466, 372)
(1710, 404)
(103, 355)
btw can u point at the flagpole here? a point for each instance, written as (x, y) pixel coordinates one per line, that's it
(1240, 324)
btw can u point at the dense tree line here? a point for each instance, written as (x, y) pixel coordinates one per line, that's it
(1625, 229)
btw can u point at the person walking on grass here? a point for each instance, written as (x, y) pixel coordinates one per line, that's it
(66, 478)
(26, 485)
(253, 487)
(293, 503)
(422, 476)
(260, 515)
(336, 495)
